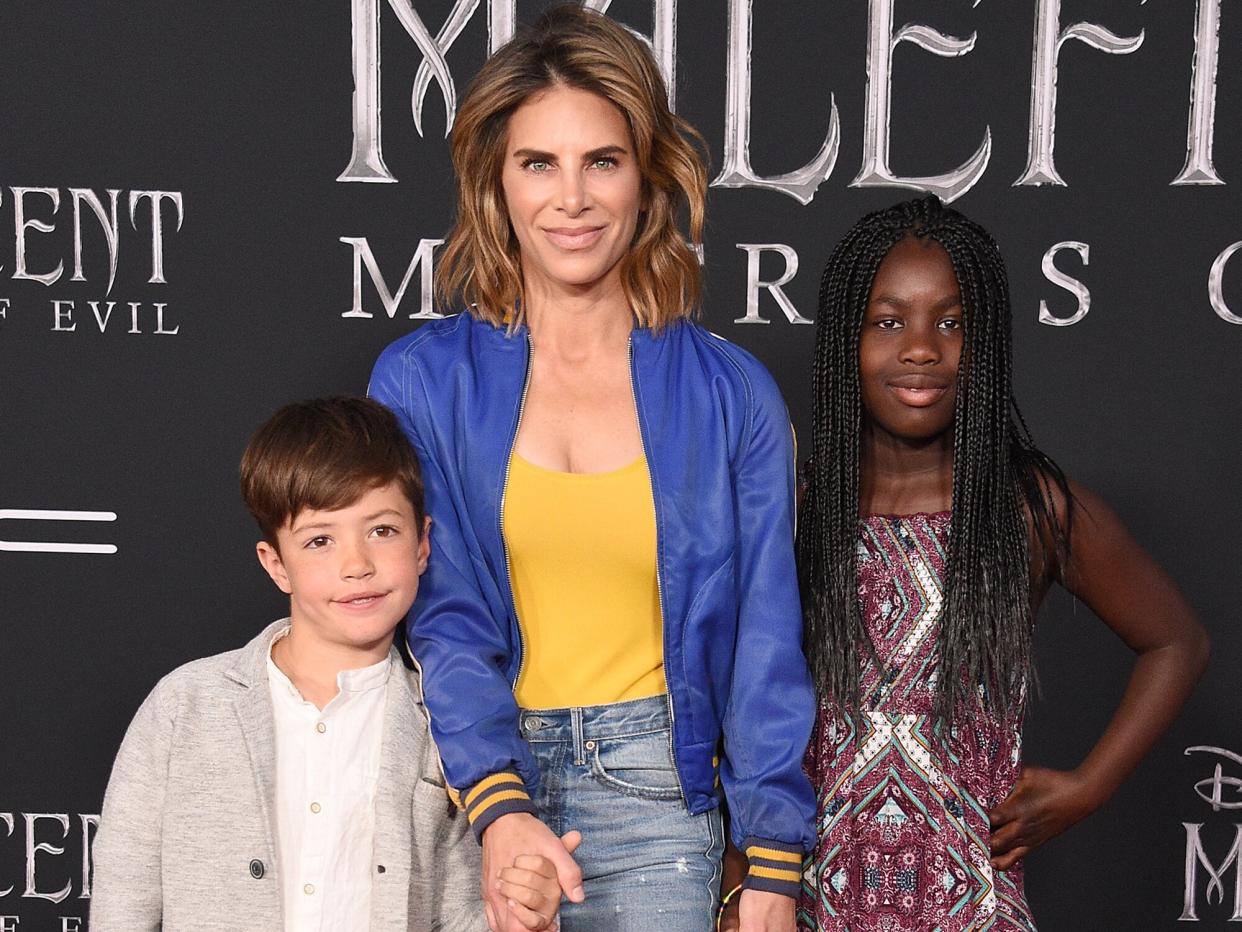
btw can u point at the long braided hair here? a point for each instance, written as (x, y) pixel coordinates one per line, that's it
(984, 643)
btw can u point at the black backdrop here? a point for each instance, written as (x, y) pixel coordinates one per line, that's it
(244, 299)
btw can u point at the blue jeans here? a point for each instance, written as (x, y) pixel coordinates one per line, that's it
(647, 863)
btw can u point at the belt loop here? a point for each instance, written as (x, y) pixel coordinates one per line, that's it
(575, 718)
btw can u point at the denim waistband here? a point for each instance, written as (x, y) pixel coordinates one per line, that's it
(614, 720)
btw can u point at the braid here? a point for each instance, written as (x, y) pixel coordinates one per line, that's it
(986, 626)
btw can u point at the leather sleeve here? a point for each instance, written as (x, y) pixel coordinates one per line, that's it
(771, 707)
(454, 635)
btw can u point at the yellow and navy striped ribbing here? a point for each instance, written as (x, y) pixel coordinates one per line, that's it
(494, 796)
(774, 866)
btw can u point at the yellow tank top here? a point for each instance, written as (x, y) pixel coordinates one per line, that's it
(582, 561)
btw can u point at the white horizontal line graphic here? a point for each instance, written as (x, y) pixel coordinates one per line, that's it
(44, 514)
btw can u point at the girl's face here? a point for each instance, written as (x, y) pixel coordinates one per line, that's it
(911, 343)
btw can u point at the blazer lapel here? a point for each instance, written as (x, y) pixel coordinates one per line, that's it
(253, 705)
(401, 759)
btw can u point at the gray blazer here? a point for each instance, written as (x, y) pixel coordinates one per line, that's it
(186, 839)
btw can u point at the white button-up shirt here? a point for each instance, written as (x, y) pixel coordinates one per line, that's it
(327, 767)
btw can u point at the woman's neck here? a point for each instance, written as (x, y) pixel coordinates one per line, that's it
(577, 325)
(898, 476)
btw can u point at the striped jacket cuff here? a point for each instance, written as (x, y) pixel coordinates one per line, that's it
(775, 867)
(493, 796)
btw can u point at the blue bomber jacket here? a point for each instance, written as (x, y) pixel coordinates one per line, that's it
(719, 451)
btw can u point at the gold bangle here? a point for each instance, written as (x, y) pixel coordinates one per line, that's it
(724, 902)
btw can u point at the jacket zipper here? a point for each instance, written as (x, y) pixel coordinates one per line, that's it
(668, 691)
(504, 491)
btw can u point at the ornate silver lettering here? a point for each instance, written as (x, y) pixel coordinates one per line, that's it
(422, 258)
(1195, 856)
(663, 39)
(1072, 285)
(7, 818)
(102, 320)
(21, 224)
(159, 321)
(1201, 126)
(157, 226)
(753, 284)
(33, 850)
(89, 821)
(881, 43)
(108, 221)
(736, 170)
(62, 313)
(366, 163)
(1216, 285)
(1049, 38)
(1217, 782)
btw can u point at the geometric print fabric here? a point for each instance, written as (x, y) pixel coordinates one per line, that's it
(902, 825)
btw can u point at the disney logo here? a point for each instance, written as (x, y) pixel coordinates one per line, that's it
(1212, 789)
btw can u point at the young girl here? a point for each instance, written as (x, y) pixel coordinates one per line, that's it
(931, 529)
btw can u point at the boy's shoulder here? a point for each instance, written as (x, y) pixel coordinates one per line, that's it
(196, 689)
(239, 664)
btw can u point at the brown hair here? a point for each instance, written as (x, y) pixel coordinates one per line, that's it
(324, 454)
(579, 48)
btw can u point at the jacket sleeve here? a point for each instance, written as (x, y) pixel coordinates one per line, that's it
(454, 636)
(771, 702)
(127, 891)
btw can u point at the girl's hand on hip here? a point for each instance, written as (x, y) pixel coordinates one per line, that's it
(759, 911)
(1043, 804)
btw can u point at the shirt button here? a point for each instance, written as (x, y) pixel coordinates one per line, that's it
(321, 727)
(308, 889)
(315, 807)
(256, 869)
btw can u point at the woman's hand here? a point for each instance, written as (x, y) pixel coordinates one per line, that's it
(514, 836)
(1043, 804)
(764, 912)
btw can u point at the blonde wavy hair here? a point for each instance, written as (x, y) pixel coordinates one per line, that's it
(575, 47)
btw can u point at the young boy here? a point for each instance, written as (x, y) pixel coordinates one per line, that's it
(293, 784)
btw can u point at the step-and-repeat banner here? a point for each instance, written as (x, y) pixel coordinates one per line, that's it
(207, 210)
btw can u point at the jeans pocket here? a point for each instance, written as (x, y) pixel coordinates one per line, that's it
(638, 765)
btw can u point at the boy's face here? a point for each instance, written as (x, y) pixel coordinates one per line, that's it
(351, 574)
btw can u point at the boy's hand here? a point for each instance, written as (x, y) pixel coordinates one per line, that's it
(1043, 804)
(516, 835)
(530, 887)
(759, 911)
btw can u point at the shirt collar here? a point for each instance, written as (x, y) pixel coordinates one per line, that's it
(361, 680)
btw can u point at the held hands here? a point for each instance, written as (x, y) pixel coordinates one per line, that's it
(1044, 803)
(757, 911)
(525, 870)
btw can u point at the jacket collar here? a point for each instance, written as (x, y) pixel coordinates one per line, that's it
(404, 740)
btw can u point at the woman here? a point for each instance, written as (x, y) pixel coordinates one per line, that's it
(609, 630)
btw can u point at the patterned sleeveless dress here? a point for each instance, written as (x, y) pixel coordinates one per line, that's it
(902, 815)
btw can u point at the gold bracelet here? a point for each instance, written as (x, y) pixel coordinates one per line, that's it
(724, 903)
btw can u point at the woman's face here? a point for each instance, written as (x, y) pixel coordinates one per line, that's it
(911, 342)
(573, 190)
